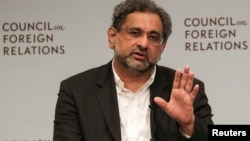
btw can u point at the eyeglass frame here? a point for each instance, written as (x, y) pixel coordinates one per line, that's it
(135, 33)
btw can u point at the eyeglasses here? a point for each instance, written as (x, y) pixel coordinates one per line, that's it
(154, 37)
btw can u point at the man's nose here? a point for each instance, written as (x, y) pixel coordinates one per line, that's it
(143, 41)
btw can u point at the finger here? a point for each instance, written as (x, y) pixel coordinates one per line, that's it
(177, 79)
(194, 92)
(190, 80)
(184, 77)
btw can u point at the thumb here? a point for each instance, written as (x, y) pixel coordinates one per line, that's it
(161, 103)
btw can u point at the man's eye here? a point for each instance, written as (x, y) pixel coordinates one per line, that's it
(134, 33)
(154, 38)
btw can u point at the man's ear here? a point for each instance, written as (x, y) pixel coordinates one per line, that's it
(112, 32)
(163, 45)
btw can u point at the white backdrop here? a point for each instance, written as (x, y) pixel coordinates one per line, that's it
(70, 37)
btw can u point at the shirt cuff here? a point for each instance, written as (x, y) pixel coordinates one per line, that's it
(185, 135)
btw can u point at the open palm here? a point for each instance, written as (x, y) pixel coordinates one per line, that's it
(180, 105)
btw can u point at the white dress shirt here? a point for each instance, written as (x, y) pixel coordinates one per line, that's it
(134, 110)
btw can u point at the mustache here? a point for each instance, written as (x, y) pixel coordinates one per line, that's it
(139, 51)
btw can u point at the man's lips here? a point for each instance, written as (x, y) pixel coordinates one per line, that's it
(139, 55)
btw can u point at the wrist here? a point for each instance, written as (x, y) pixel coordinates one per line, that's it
(187, 129)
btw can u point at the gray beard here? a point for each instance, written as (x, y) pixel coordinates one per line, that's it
(128, 63)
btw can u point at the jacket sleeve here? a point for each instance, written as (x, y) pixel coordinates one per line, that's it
(203, 114)
(66, 123)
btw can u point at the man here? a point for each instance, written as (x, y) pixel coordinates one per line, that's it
(131, 98)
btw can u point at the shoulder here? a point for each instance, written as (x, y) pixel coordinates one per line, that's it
(91, 75)
(169, 73)
(165, 72)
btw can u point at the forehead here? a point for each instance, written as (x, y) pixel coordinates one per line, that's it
(145, 21)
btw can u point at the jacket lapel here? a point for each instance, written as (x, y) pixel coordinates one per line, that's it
(107, 98)
(160, 88)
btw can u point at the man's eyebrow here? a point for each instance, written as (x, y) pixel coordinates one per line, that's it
(154, 32)
(135, 28)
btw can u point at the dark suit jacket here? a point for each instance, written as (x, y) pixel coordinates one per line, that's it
(87, 108)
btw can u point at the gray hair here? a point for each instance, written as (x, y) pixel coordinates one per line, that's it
(129, 6)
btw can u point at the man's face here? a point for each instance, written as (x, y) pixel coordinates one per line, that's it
(138, 46)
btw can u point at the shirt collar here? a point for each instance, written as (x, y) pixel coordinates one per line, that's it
(119, 82)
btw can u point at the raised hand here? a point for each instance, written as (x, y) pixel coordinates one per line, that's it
(180, 105)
